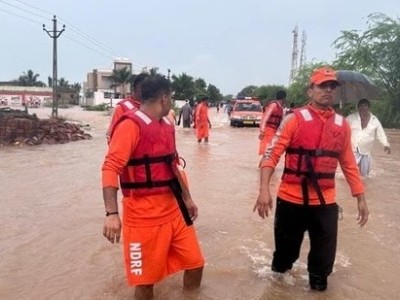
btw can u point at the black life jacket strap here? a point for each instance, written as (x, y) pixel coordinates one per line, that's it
(314, 180)
(309, 176)
(146, 184)
(151, 160)
(177, 190)
(306, 173)
(146, 160)
(312, 152)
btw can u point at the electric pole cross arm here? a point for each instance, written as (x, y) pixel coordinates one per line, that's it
(54, 34)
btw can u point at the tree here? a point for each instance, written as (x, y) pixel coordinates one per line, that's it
(183, 86)
(200, 86)
(153, 71)
(227, 97)
(76, 87)
(268, 92)
(121, 77)
(214, 94)
(29, 78)
(248, 91)
(375, 52)
(62, 83)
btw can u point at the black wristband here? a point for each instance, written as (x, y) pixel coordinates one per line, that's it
(111, 213)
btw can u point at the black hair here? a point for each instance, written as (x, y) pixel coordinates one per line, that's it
(155, 85)
(363, 101)
(281, 94)
(139, 79)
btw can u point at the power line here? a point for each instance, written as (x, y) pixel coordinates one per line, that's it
(72, 27)
(15, 6)
(34, 7)
(83, 45)
(22, 17)
(87, 37)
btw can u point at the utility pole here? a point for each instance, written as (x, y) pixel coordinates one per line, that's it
(54, 34)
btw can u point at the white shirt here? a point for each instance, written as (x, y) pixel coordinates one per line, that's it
(363, 138)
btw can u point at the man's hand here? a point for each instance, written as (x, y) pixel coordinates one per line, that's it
(112, 228)
(192, 209)
(261, 135)
(263, 204)
(386, 149)
(362, 210)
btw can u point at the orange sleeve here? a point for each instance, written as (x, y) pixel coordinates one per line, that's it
(123, 141)
(349, 166)
(117, 113)
(280, 142)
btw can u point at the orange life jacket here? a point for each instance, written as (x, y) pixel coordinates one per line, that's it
(129, 104)
(126, 105)
(275, 118)
(149, 169)
(312, 157)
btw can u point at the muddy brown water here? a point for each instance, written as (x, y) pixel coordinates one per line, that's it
(51, 243)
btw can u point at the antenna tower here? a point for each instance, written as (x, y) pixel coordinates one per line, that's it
(295, 53)
(303, 49)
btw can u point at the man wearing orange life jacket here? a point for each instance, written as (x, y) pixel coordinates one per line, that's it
(315, 140)
(158, 210)
(271, 120)
(130, 103)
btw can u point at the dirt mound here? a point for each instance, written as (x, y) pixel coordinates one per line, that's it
(18, 127)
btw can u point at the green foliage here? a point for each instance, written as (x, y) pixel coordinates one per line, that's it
(375, 52)
(248, 91)
(200, 88)
(121, 77)
(268, 92)
(214, 94)
(186, 87)
(29, 78)
(227, 97)
(99, 107)
(183, 86)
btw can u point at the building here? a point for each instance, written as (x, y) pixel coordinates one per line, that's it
(18, 96)
(99, 87)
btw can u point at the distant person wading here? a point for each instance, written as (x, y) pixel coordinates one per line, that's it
(185, 115)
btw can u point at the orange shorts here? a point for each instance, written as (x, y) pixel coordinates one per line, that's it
(152, 253)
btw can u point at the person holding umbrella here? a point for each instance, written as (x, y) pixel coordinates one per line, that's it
(316, 140)
(365, 128)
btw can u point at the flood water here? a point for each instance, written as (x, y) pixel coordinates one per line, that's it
(51, 243)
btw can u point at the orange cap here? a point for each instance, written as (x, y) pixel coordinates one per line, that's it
(322, 75)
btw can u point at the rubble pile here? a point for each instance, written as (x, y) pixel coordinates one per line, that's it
(21, 128)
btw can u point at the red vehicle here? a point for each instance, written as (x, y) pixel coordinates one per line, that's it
(246, 111)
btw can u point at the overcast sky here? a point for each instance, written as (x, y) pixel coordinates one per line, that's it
(230, 44)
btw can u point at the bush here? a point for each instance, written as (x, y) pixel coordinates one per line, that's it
(99, 107)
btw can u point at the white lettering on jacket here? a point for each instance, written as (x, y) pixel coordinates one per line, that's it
(135, 255)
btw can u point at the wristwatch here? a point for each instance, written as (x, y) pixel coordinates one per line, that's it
(111, 213)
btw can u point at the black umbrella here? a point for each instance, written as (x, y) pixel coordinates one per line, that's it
(355, 86)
